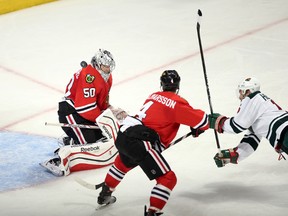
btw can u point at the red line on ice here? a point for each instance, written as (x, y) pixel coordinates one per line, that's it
(244, 35)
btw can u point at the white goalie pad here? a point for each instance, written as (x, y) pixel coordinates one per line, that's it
(93, 155)
(108, 124)
(85, 157)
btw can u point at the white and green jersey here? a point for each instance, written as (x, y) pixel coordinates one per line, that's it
(262, 117)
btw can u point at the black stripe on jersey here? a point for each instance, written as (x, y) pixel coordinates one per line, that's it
(71, 101)
(252, 140)
(274, 125)
(86, 107)
(205, 122)
(236, 127)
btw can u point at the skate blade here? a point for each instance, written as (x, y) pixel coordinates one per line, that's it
(110, 202)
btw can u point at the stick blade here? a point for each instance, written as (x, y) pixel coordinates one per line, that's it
(85, 184)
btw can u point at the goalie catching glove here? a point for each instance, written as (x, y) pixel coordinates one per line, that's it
(226, 156)
(216, 121)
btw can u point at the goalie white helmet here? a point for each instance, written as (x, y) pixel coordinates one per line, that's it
(105, 58)
(252, 84)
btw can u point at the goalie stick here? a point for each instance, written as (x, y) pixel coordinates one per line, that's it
(205, 75)
(104, 119)
(72, 125)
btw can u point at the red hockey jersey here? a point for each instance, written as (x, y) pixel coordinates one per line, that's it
(165, 111)
(89, 92)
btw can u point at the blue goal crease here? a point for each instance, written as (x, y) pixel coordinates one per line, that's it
(20, 158)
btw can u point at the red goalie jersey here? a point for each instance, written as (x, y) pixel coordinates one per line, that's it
(89, 92)
(165, 111)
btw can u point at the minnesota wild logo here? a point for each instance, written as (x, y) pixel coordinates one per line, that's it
(89, 78)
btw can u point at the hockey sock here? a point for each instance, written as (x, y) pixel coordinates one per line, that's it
(161, 192)
(116, 173)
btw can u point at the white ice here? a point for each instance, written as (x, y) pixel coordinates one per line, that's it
(41, 47)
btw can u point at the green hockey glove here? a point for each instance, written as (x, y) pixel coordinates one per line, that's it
(226, 156)
(216, 121)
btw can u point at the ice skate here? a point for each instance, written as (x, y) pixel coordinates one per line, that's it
(53, 166)
(105, 198)
(150, 212)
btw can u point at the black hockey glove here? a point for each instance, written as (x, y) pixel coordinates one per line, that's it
(196, 132)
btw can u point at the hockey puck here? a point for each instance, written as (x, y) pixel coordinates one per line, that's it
(83, 64)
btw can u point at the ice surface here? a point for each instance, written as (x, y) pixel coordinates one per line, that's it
(19, 162)
(41, 47)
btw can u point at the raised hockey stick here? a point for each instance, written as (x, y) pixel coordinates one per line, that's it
(97, 186)
(72, 125)
(205, 75)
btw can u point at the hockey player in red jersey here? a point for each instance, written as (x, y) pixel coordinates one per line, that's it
(86, 97)
(142, 138)
(260, 116)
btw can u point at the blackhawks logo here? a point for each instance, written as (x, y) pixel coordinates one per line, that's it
(89, 78)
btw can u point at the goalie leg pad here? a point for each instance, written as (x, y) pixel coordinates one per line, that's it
(63, 154)
(86, 157)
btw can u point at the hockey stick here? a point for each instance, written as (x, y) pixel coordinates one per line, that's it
(180, 139)
(205, 75)
(72, 125)
(88, 185)
(97, 186)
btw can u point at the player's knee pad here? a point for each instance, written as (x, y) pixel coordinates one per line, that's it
(169, 180)
(154, 165)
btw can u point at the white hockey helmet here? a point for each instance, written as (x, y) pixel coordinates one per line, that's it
(103, 57)
(252, 84)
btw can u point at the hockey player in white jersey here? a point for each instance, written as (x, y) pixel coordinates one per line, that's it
(260, 116)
